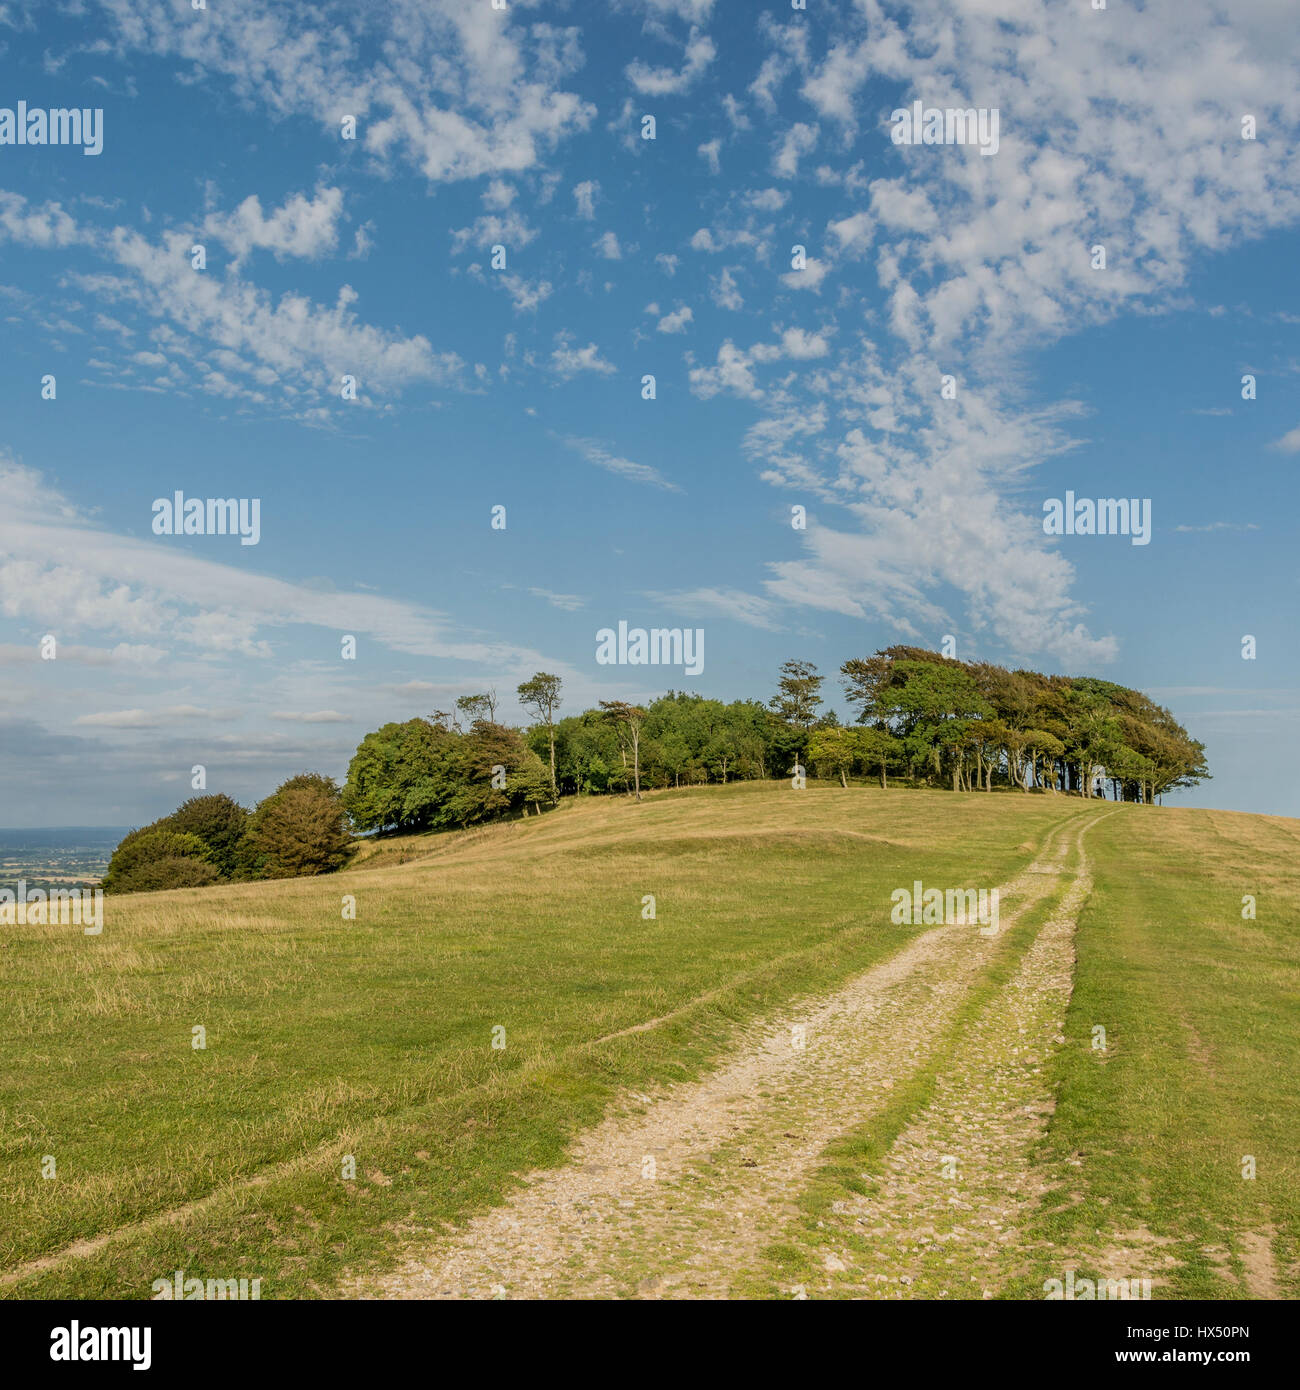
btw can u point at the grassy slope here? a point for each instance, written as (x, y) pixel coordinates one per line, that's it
(372, 1037)
(1143, 1156)
(1202, 1016)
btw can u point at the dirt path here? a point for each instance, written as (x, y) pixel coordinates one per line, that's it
(944, 1219)
(674, 1196)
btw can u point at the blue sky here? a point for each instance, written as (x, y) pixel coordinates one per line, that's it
(522, 387)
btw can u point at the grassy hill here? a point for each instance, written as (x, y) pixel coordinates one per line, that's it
(328, 1037)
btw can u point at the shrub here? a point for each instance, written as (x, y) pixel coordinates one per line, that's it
(172, 872)
(219, 822)
(299, 829)
(157, 857)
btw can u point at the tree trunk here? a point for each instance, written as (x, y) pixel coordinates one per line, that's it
(884, 785)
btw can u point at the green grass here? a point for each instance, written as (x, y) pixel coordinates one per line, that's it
(853, 1163)
(1202, 1064)
(373, 1038)
(1144, 1152)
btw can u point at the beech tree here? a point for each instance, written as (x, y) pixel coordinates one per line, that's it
(629, 719)
(1035, 731)
(541, 698)
(797, 695)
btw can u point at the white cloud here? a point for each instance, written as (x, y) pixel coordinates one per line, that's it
(584, 198)
(852, 233)
(658, 82)
(568, 603)
(607, 246)
(1099, 142)
(923, 488)
(676, 321)
(525, 295)
(732, 372)
(725, 292)
(306, 227)
(61, 573)
(595, 452)
(47, 226)
(802, 345)
(152, 718)
(767, 199)
(493, 229)
(568, 361)
(750, 609)
(293, 344)
(794, 144)
(809, 278)
(456, 91)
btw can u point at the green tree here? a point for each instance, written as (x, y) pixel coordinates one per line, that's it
(219, 822)
(540, 696)
(494, 772)
(629, 719)
(797, 695)
(476, 707)
(155, 857)
(300, 829)
(834, 750)
(878, 748)
(402, 776)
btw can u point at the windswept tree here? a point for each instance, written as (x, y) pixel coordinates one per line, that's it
(541, 698)
(495, 774)
(793, 710)
(476, 707)
(798, 696)
(1036, 730)
(629, 720)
